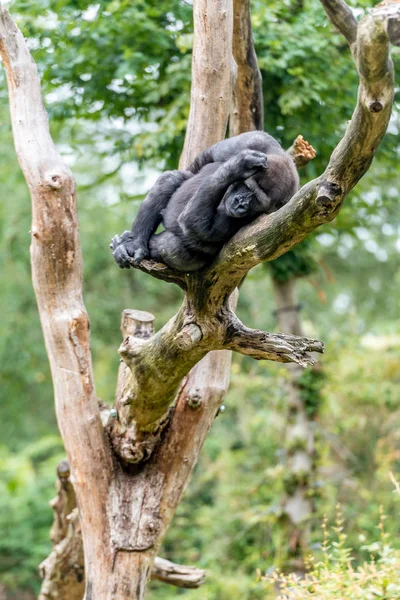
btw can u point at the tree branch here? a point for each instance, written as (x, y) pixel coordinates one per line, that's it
(57, 278)
(278, 347)
(248, 109)
(302, 152)
(320, 200)
(178, 575)
(145, 398)
(341, 16)
(162, 271)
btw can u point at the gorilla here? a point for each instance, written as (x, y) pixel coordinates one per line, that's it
(226, 187)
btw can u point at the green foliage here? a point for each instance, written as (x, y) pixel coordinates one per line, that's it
(143, 48)
(335, 576)
(116, 81)
(299, 262)
(144, 81)
(310, 384)
(26, 485)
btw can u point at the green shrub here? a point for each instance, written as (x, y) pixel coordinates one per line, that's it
(335, 577)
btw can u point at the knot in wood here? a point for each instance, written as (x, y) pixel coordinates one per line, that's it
(133, 453)
(393, 30)
(190, 335)
(131, 347)
(375, 106)
(329, 194)
(55, 179)
(195, 400)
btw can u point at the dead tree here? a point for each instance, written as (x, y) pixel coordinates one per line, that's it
(129, 474)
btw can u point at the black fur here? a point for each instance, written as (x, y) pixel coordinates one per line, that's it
(227, 186)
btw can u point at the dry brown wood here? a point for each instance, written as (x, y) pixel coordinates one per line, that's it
(118, 559)
(63, 570)
(125, 512)
(248, 107)
(302, 152)
(57, 278)
(342, 17)
(178, 575)
(211, 91)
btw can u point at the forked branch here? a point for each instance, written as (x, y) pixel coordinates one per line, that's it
(119, 558)
(206, 307)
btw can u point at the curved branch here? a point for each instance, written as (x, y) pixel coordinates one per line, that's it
(162, 271)
(320, 200)
(178, 575)
(341, 16)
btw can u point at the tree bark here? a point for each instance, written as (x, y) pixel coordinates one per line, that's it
(111, 500)
(248, 107)
(124, 508)
(210, 96)
(63, 570)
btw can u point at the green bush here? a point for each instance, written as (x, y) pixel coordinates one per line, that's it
(335, 577)
(27, 482)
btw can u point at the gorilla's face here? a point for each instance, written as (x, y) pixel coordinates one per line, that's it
(245, 199)
(238, 201)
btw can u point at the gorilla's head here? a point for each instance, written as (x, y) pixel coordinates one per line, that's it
(265, 192)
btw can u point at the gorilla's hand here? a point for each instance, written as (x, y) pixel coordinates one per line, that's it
(128, 250)
(247, 163)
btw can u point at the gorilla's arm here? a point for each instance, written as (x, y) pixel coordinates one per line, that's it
(226, 149)
(201, 216)
(135, 244)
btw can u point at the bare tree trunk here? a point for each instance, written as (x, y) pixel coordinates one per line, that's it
(211, 77)
(123, 514)
(63, 570)
(127, 499)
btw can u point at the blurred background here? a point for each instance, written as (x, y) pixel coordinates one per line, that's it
(116, 83)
